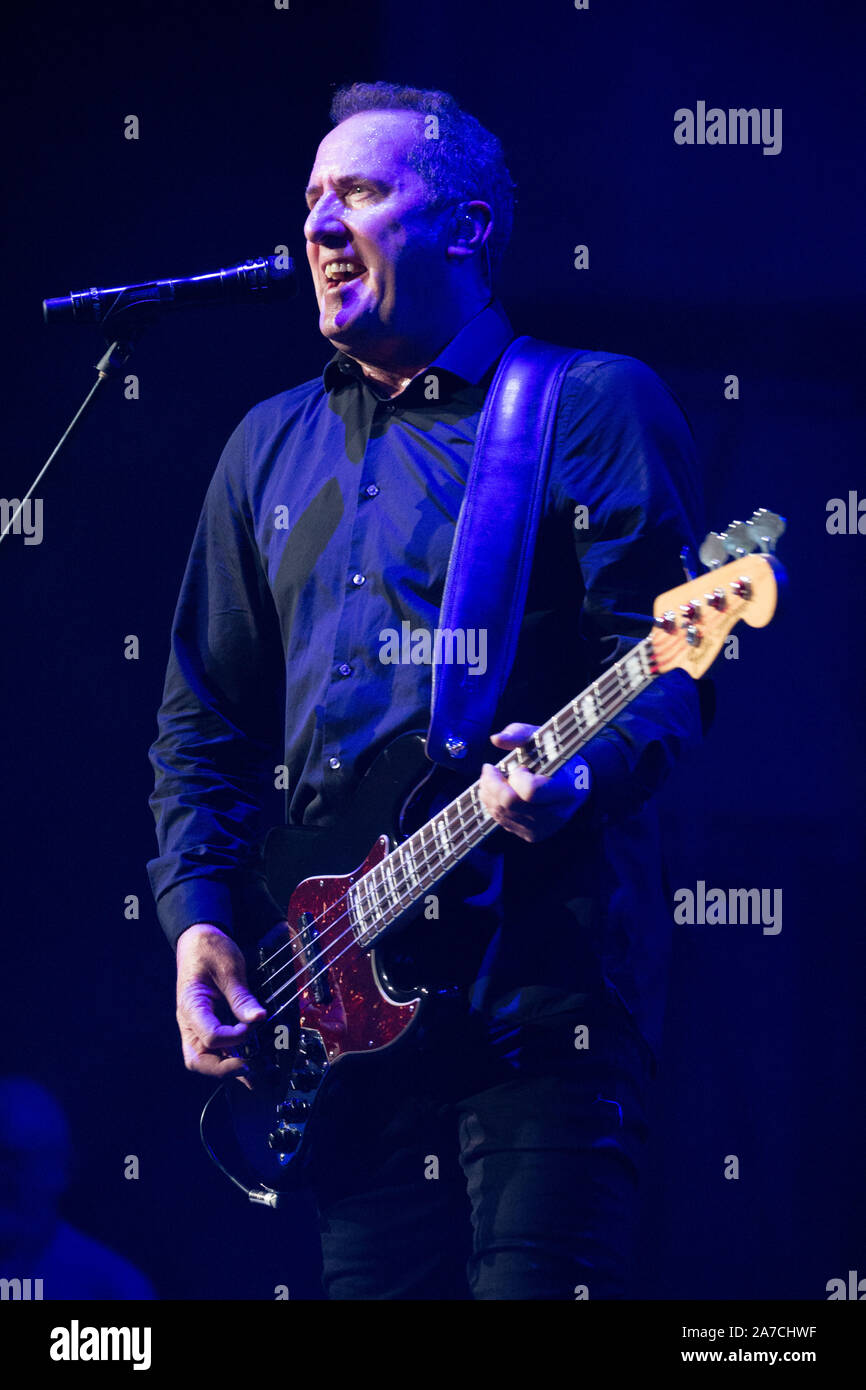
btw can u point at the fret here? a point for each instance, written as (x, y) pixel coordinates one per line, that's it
(475, 793)
(426, 858)
(353, 899)
(388, 870)
(387, 890)
(362, 914)
(442, 832)
(520, 757)
(380, 887)
(407, 862)
(362, 897)
(549, 742)
(589, 708)
(420, 843)
(370, 905)
(633, 669)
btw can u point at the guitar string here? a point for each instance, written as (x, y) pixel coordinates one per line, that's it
(330, 961)
(462, 833)
(613, 677)
(649, 646)
(615, 674)
(461, 843)
(645, 646)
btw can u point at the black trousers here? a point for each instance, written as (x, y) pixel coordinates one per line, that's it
(489, 1161)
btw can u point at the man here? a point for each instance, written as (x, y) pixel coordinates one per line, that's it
(497, 1156)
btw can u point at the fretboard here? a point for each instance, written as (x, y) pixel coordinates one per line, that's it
(411, 870)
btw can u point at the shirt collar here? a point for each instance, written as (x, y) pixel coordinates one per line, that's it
(469, 355)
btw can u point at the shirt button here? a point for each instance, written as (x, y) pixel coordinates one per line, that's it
(389, 409)
(358, 580)
(345, 669)
(371, 490)
(345, 367)
(334, 763)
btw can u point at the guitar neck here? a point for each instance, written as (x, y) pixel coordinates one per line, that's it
(385, 892)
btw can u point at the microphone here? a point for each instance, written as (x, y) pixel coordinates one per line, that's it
(264, 279)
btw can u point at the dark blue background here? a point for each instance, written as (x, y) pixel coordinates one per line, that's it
(703, 262)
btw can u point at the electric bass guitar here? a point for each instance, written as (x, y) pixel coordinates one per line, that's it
(332, 976)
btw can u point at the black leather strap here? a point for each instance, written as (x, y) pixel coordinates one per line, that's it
(494, 542)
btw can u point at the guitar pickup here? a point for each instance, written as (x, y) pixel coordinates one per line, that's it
(319, 989)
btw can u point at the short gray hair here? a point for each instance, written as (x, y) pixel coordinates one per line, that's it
(464, 162)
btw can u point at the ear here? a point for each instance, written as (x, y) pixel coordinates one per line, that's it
(469, 231)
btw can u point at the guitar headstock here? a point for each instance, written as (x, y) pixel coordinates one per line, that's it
(693, 620)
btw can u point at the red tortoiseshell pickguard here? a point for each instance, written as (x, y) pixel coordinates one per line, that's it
(358, 1017)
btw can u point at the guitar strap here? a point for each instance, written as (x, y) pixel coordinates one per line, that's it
(494, 541)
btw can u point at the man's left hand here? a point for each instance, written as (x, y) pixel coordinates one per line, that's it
(525, 803)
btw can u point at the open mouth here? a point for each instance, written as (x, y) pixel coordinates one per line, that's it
(336, 274)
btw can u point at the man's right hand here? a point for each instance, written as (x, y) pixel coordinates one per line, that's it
(209, 967)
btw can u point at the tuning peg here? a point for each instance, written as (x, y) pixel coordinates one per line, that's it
(766, 528)
(739, 539)
(713, 551)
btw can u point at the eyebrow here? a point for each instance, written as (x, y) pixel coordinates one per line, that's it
(345, 182)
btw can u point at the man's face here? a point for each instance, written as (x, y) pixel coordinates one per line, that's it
(376, 248)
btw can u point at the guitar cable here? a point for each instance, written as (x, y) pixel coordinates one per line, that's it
(261, 1196)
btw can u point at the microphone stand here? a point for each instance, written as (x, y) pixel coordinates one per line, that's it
(127, 323)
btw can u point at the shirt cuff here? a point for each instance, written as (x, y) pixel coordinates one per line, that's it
(609, 772)
(194, 900)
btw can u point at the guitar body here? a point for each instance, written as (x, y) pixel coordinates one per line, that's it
(364, 1000)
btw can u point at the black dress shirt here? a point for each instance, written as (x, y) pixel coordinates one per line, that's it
(328, 521)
